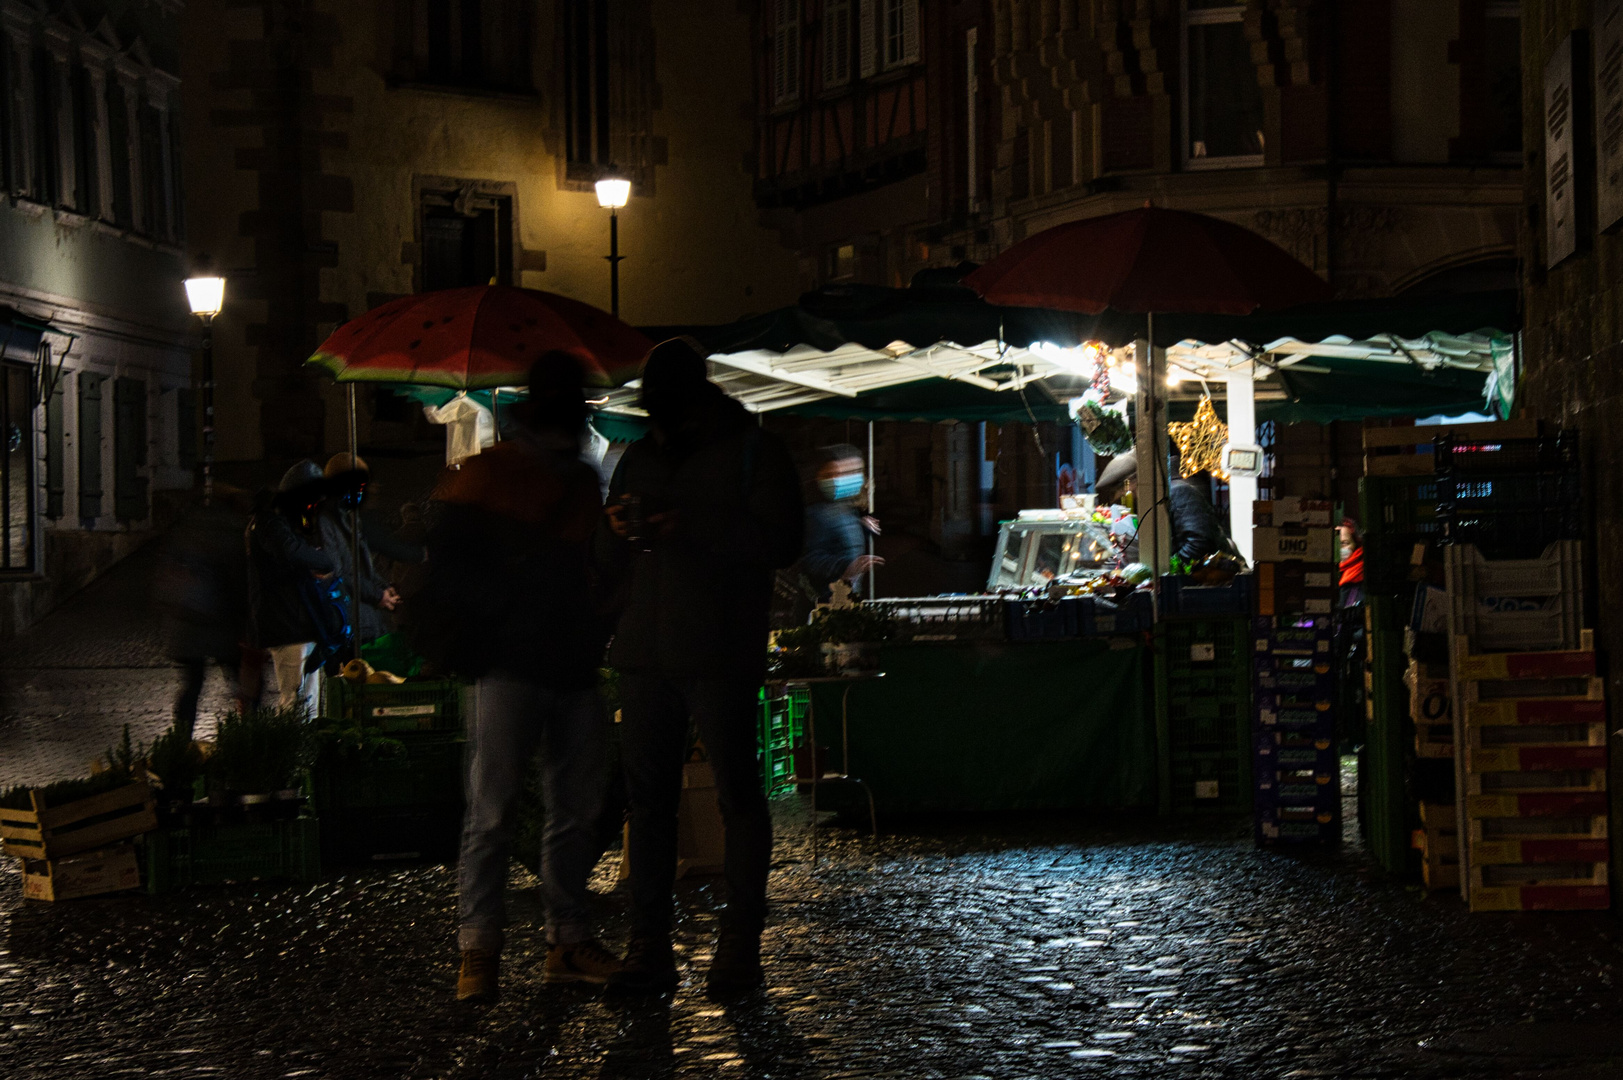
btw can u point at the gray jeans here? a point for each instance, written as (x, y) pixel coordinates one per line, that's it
(513, 718)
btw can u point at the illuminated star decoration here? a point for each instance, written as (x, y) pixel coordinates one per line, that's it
(1201, 441)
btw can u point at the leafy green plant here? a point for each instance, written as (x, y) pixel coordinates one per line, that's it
(174, 763)
(1105, 429)
(64, 791)
(261, 750)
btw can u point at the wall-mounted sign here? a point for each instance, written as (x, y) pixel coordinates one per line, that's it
(1560, 206)
(1608, 112)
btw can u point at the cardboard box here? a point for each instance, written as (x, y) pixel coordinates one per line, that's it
(1270, 544)
(1292, 511)
(90, 873)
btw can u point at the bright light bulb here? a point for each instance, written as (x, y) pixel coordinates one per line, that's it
(613, 192)
(206, 295)
(1175, 376)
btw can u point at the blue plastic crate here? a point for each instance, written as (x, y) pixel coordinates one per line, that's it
(1313, 697)
(1179, 596)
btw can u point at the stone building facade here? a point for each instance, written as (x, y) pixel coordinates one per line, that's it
(100, 418)
(1572, 371)
(348, 153)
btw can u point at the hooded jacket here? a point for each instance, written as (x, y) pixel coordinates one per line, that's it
(696, 604)
(281, 561)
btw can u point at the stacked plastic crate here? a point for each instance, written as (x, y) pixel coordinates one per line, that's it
(1529, 708)
(1203, 707)
(1295, 770)
(783, 727)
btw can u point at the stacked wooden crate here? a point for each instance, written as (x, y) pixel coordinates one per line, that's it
(1438, 842)
(81, 847)
(1529, 709)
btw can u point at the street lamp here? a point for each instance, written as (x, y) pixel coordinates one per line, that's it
(613, 192)
(206, 295)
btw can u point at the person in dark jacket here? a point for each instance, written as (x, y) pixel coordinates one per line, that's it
(284, 563)
(702, 511)
(349, 480)
(1196, 532)
(513, 542)
(201, 590)
(836, 530)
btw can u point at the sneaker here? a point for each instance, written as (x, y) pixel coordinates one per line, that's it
(649, 967)
(736, 968)
(476, 981)
(581, 962)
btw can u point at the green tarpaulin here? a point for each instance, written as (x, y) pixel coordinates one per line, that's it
(992, 726)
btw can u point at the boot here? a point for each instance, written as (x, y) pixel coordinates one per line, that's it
(649, 966)
(476, 981)
(579, 962)
(736, 969)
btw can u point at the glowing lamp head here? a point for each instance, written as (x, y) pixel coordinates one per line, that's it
(613, 192)
(206, 295)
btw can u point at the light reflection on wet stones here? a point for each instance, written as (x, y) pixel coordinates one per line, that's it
(1007, 949)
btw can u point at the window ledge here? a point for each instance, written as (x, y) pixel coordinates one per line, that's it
(29, 206)
(516, 97)
(1205, 164)
(72, 219)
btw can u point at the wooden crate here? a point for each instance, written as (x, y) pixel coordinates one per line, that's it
(90, 873)
(82, 825)
(1392, 451)
(1542, 898)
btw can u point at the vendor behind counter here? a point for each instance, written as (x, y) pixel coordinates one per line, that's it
(1196, 530)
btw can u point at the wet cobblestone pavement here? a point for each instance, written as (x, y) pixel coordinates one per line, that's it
(993, 947)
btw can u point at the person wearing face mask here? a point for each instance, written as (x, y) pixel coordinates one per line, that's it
(378, 598)
(836, 531)
(1352, 563)
(702, 511)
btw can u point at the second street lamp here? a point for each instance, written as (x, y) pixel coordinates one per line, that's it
(206, 296)
(613, 192)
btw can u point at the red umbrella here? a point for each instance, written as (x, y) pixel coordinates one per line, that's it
(1149, 260)
(477, 338)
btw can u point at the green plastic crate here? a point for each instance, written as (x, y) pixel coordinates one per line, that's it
(428, 770)
(1397, 504)
(214, 854)
(782, 728)
(416, 705)
(362, 836)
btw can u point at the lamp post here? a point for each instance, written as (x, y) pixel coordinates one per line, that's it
(613, 192)
(206, 295)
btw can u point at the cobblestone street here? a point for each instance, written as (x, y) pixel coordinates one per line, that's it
(988, 947)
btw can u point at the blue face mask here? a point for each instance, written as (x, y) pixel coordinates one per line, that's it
(837, 488)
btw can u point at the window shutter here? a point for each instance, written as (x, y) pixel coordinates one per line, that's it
(836, 42)
(785, 50)
(868, 45)
(910, 31)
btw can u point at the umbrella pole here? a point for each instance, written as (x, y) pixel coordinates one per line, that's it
(354, 537)
(872, 572)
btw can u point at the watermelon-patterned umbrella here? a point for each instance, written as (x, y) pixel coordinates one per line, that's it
(478, 338)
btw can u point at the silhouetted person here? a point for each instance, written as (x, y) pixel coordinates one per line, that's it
(349, 480)
(702, 510)
(509, 575)
(201, 589)
(285, 565)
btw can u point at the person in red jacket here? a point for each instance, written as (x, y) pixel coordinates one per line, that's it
(1352, 563)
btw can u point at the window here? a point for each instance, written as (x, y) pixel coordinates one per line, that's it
(17, 476)
(842, 262)
(467, 239)
(900, 32)
(89, 446)
(55, 444)
(785, 51)
(586, 82)
(1222, 101)
(478, 44)
(1503, 58)
(129, 449)
(836, 43)
(45, 183)
(9, 121)
(118, 139)
(86, 189)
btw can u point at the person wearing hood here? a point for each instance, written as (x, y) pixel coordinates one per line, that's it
(1196, 530)
(349, 480)
(285, 562)
(702, 511)
(513, 602)
(836, 531)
